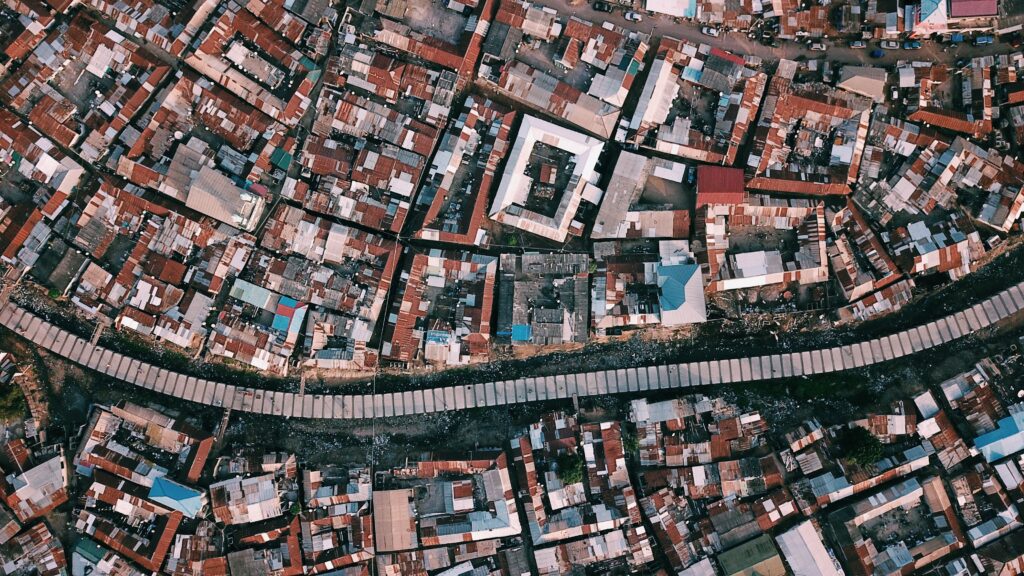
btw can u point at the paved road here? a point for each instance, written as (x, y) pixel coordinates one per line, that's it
(521, 390)
(738, 42)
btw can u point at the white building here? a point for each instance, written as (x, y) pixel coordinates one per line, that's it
(516, 186)
(806, 553)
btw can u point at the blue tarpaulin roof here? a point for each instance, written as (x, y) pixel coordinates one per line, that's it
(186, 500)
(289, 315)
(438, 336)
(692, 74)
(522, 332)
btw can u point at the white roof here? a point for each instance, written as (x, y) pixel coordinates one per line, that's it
(908, 78)
(702, 568)
(865, 80)
(515, 185)
(100, 61)
(806, 553)
(675, 8)
(215, 195)
(659, 91)
(926, 404)
(758, 263)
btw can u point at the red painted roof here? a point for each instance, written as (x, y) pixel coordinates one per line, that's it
(972, 8)
(14, 232)
(719, 185)
(727, 56)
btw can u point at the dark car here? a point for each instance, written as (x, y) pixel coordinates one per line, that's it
(876, 53)
(911, 45)
(602, 6)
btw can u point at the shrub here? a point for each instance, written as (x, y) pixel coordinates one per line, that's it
(570, 468)
(859, 445)
(12, 402)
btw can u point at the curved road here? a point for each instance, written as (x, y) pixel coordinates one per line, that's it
(506, 392)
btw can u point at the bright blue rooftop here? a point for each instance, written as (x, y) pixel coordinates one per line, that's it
(1005, 440)
(522, 332)
(186, 500)
(672, 279)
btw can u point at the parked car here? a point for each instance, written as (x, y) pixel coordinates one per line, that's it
(709, 31)
(634, 16)
(983, 40)
(911, 45)
(602, 6)
(858, 44)
(876, 53)
(818, 47)
(890, 44)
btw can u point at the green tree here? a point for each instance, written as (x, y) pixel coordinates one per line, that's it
(570, 468)
(859, 445)
(12, 402)
(630, 443)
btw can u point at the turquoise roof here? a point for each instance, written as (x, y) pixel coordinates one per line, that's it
(280, 158)
(928, 7)
(672, 279)
(90, 550)
(522, 332)
(188, 501)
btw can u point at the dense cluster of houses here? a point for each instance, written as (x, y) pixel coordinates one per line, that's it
(690, 485)
(339, 187)
(409, 183)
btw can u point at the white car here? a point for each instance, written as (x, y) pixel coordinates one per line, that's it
(890, 45)
(634, 16)
(818, 47)
(709, 31)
